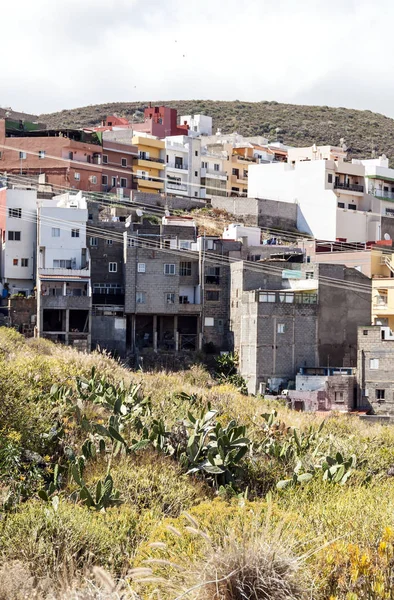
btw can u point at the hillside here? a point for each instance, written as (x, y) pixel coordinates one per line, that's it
(363, 131)
(119, 484)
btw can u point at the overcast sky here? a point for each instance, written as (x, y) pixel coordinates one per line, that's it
(58, 54)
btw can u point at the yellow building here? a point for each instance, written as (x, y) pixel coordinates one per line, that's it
(382, 288)
(149, 166)
(373, 262)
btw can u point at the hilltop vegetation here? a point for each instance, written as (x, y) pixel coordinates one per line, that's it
(363, 131)
(121, 484)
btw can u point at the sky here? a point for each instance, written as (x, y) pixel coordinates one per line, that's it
(62, 54)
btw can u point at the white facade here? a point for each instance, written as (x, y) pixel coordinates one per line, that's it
(198, 124)
(183, 166)
(62, 233)
(236, 232)
(18, 256)
(379, 182)
(330, 195)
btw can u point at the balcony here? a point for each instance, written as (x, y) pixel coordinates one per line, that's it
(214, 173)
(181, 187)
(177, 166)
(152, 183)
(64, 273)
(349, 187)
(386, 195)
(188, 308)
(66, 302)
(150, 163)
(212, 279)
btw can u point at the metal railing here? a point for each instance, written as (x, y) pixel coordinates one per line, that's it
(352, 187)
(382, 194)
(151, 159)
(174, 165)
(174, 186)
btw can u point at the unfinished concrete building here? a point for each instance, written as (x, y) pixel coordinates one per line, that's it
(302, 316)
(375, 370)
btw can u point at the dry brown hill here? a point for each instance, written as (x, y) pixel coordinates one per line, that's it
(364, 132)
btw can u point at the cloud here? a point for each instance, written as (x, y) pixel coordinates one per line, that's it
(58, 55)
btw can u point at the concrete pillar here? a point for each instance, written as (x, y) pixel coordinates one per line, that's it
(155, 333)
(133, 327)
(67, 324)
(176, 334)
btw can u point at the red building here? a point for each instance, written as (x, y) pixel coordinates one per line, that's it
(161, 122)
(69, 158)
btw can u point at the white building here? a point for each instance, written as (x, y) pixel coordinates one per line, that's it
(63, 271)
(379, 182)
(237, 232)
(213, 172)
(331, 197)
(18, 208)
(183, 166)
(198, 124)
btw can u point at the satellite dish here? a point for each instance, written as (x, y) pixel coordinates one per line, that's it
(387, 237)
(139, 212)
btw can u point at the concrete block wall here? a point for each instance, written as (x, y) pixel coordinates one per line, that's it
(260, 212)
(371, 347)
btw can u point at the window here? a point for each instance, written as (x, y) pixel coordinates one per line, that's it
(105, 159)
(216, 167)
(140, 297)
(185, 269)
(24, 262)
(169, 269)
(204, 165)
(390, 212)
(55, 232)
(195, 173)
(341, 205)
(113, 267)
(90, 216)
(75, 233)
(170, 298)
(196, 153)
(352, 206)
(15, 262)
(380, 394)
(209, 322)
(93, 241)
(184, 300)
(71, 156)
(309, 275)
(77, 176)
(212, 296)
(109, 242)
(339, 397)
(104, 179)
(235, 172)
(374, 363)
(93, 179)
(41, 154)
(14, 236)
(178, 162)
(22, 155)
(185, 244)
(141, 268)
(365, 332)
(281, 328)
(267, 297)
(61, 264)
(196, 194)
(124, 162)
(123, 182)
(16, 213)
(113, 181)
(220, 325)
(329, 178)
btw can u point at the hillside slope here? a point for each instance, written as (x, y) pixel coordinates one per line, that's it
(363, 131)
(98, 474)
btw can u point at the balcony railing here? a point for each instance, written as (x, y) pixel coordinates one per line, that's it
(151, 159)
(382, 194)
(174, 165)
(352, 187)
(217, 173)
(174, 186)
(212, 279)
